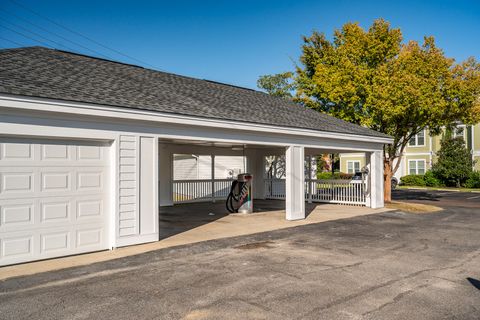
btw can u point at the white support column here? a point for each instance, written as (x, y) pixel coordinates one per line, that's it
(213, 177)
(165, 159)
(256, 166)
(309, 183)
(375, 192)
(295, 183)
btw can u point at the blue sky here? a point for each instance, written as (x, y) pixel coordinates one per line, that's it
(229, 41)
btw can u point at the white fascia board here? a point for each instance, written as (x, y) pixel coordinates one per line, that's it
(50, 105)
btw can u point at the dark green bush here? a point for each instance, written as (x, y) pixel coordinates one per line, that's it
(454, 164)
(473, 180)
(336, 175)
(412, 180)
(431, 180)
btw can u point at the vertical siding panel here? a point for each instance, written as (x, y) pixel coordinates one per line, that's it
(128, 171)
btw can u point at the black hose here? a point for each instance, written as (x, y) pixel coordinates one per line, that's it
(231, 197)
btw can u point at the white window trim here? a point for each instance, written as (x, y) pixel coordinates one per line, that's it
(353, 166)
(464, 135)
(416, 140)
(416, 165)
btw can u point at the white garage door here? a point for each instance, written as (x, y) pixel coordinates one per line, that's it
(53, 198)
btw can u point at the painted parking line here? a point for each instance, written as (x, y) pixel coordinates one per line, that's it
(475, 197)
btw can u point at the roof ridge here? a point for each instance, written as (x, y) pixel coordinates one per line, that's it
(148, 69)
(143, 88)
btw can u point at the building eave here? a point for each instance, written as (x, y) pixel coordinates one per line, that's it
(70, 107)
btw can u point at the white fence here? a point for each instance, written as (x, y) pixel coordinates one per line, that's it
(200, 190)
(350, 192)
(274, 188)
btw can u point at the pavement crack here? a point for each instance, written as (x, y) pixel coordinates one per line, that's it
(395, 299)
(385, 284)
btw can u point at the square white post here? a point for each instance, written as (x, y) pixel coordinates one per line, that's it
(256, 167)
(309, 179)
(213, 177)
(165, 159)
(375, 196)
(295, 183)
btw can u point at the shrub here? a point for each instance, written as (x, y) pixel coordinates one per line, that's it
(431, 180)
(412, 180)
(345, 176)
(473, 180)
(324, 175)
(454, 164)
(336, 175)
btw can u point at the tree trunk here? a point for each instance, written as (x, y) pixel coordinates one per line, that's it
(387, 182)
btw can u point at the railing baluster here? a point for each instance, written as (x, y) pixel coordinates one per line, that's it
(330, 191)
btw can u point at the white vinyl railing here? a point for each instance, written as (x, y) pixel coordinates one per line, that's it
(274, 188)
(185, 191)
(337, 191)
(350, 192)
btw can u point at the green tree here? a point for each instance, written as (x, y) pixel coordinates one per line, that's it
(280, 85)
(454, 164)
(371, 78)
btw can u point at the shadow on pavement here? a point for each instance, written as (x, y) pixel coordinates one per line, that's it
(474, 282)
(183, 217)
(415, 195)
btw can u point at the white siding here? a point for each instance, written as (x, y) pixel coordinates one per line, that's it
(190, 167)
(185, 167)
(224, 165)
(128, 211)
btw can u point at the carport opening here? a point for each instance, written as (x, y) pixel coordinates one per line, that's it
(201, 174)
(195, 179)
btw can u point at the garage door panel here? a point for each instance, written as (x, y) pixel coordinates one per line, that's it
(56, 152)
(17, 247)
(53, 199)
(89, 209)
(56, 210)
(17, 181)
(22, 182)
(56, 180)
(90, 180)
(89, 237)
(51, 153)
(55, 242)
(16, 152)
(90, 153)
(15, 213)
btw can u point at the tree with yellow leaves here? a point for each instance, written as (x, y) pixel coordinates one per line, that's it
(371, 78)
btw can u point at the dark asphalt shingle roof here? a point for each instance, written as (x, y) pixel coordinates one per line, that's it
(55, 74)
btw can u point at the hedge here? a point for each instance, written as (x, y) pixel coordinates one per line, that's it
(413, 180)
(336, 175)
(474, 180)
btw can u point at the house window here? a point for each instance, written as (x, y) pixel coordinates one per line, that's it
(459, 132)
(353, 166)
(416, 166)
(417, 140)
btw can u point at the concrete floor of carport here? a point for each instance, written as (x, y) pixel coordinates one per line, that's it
(190, 223)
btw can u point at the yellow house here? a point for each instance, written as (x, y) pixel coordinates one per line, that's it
(420, 153)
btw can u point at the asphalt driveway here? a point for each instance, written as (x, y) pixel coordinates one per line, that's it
(383, 266)
(445, 199)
